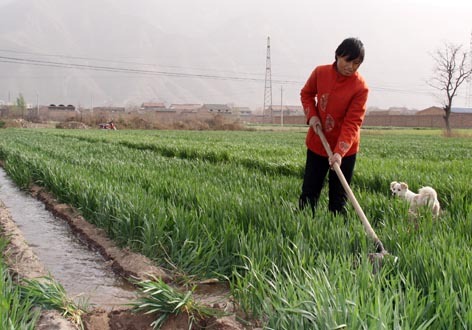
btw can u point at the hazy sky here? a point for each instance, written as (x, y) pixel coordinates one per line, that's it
(399, 37)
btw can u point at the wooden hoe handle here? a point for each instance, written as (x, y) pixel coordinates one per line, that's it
(350, 194)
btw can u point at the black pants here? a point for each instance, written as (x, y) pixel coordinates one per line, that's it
(316, 169)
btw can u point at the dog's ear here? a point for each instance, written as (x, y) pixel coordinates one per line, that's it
(392, 184)
(403, 185)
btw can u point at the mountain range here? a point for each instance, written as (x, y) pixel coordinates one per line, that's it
(121, 53)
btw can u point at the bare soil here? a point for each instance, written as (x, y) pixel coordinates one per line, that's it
(24, 264)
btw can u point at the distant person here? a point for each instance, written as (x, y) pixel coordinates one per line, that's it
(109, 125)
(333, 98)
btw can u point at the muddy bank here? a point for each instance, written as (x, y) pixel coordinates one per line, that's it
(24, 263)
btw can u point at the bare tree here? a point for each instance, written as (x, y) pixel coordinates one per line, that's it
(451, 71)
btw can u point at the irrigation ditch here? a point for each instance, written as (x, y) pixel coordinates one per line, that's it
(47, 237)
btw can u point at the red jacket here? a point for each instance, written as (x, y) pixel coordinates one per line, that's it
(340, 103)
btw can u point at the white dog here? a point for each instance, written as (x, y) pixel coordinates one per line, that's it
(426, 196)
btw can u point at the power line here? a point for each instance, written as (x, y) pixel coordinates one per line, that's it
(5, 59)
(114, 69)
(118, 61)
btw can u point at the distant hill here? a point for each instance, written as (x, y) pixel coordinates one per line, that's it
(121, 34)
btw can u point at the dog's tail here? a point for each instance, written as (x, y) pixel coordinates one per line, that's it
(432, 197)
(429, 192)
(436, 208)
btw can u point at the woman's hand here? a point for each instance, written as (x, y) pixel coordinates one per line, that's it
(335, 159)
(315, 122)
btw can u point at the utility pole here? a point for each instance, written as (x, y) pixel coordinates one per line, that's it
(267, 110)
(281, 106)
(37, 105)
(79, 110)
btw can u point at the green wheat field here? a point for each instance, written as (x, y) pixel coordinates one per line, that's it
(222, 204)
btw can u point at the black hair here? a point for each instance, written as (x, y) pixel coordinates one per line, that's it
(352, 48)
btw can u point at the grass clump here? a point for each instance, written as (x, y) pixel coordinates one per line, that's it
(15, 311)
(47, 293)
(164, 300)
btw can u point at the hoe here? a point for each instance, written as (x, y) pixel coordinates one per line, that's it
(375, 258)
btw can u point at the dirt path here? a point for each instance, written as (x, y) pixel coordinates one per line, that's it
(23, 262)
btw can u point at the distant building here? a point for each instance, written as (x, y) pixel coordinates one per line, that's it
(223, 109)
(400, 111)
(288, 110)
(3, 110)
(109, 109)
(431, 111)
(242, 111)
(68, 107)
(461, 110)
(295, 110)
(392, 111)
(429, 117)
(153, 106)
(185, 108)
(377, 113)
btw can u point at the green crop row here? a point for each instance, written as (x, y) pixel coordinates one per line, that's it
(276, 156)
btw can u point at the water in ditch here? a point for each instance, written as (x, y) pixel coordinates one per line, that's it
(84, 274)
